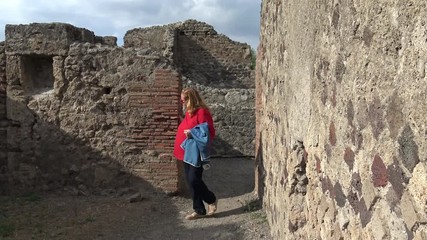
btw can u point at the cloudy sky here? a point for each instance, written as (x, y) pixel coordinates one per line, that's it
(238, 19)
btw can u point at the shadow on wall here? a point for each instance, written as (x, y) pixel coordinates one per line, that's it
(224, 79)
(259, 169)
(45, 158)
(221, 148)
(199, 65)
(230, 177)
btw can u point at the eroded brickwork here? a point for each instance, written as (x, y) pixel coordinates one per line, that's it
(156, 134)
(346, 80)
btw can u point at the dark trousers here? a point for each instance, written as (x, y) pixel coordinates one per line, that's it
(199, 191)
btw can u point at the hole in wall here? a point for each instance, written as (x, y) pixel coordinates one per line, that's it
(122, 91)
(37, 74)
(107, 90)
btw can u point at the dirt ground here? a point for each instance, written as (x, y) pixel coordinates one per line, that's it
(157, 216)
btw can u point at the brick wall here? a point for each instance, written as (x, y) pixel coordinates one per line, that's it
(158, 132)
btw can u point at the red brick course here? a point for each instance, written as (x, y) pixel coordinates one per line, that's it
(161, 99)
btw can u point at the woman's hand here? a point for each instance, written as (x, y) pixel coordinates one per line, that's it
(187, 133)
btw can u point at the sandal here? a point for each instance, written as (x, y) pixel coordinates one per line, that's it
(212, 208)
(194, 216)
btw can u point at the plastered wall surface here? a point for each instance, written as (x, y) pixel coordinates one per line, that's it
(341, 135)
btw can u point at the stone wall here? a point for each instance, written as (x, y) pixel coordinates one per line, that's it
(28, 38)
(152, 39)
(3, 119)
(341, 134)
(221, 70)
(89, 117)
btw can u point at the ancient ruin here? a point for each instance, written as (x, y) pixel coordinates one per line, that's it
(341, 97)
(78, 113)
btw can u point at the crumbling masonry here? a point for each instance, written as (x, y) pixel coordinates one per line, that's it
(79, 113)
(341, 119)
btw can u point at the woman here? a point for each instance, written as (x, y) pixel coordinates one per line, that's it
(196, 113)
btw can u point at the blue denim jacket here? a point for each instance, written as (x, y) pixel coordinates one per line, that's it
(196, 147)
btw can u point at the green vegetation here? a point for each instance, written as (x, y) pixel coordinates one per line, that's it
(35, 216)
(6, 228)
(260, 216)
(8, 224)
(89, 219)
(253, 59)
(252, 205)
(31, 197)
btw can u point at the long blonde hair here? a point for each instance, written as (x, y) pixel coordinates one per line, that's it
(193, 100)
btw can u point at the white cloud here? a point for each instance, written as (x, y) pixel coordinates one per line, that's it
(238, 19)
(10, 11)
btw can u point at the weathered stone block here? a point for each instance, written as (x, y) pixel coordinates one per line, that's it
(379, 172)
(17, 111)
(14, 159)
(44, 38)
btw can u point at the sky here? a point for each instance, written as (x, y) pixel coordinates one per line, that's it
(237, 19)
